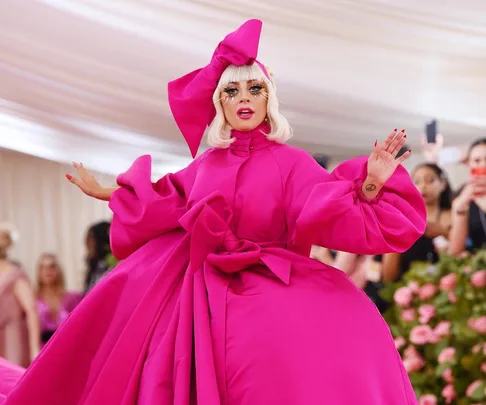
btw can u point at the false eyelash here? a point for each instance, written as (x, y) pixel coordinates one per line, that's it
(231, 91)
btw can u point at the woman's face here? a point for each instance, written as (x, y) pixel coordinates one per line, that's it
(477, 157)
(48, 271)
(91, 245)
(5, 240)
(245, 104)
(429, 184)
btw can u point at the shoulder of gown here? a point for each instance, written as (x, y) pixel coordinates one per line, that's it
(143, 210)
(330, 210)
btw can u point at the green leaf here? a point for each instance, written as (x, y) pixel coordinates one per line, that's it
(387, 292)
(478, 393)
(468, 362)
(441, 345)
(442, 299)
(441, 368)
(418, 378)
(395, 329)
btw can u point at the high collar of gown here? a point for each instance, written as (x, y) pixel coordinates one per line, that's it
(248, 141)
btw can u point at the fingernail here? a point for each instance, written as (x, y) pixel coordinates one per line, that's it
(69, 177)
(404, 136)
(376, 142)
(410, 150)
(395, 130)
(403, 130)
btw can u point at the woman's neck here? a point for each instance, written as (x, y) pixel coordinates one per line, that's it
(433, 211)
(260, 130)
(50, 290)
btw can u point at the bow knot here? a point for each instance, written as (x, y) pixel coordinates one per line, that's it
(213, 241)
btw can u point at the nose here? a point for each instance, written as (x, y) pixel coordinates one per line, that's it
(245, 96)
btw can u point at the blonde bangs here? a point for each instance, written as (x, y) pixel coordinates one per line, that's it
(235, 74)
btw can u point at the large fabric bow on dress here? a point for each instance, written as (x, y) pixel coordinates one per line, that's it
(215, 253)
(191, 96)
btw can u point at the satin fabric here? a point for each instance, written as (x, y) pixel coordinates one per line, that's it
(217, 301)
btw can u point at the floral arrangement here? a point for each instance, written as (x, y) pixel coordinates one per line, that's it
(438, 321)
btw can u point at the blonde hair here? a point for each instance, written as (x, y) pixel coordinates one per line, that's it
(49, 258)
(219, 132)
(10, 230)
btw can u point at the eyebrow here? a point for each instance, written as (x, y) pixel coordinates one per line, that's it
(247, 81)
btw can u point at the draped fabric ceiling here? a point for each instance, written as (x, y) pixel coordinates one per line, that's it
(86, 80)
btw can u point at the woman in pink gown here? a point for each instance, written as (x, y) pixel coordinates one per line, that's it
(54, 303)
(217, 301)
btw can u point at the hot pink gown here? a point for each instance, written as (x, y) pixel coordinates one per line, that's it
(218, 303)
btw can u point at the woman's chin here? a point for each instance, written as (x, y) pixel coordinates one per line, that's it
(246, 125)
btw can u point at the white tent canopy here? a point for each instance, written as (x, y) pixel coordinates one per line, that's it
(86, 80)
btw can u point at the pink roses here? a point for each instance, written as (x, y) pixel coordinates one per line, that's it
(408, 315)
(449, 393)
(426, 313)
(448, 282)
(478, 279)
(427, 291)
(446, 355)
(428, 399)
(403, 297)
(479, 324)
(412, 360)
(421, 335)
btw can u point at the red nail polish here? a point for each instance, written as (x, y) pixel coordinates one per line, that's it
(69, 177)
(395, 130)
(404, 136)
(376, 142)
(410, 150)
(403, 130)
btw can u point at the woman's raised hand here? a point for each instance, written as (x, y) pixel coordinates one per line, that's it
(87, 183)
(383, 161)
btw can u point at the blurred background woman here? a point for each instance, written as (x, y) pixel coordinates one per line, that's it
(432, 183)
(54, 303)
(469, 207)
(99, 254)
(19, 324)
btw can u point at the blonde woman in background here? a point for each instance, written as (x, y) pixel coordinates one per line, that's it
(19, 324)
(54, 303)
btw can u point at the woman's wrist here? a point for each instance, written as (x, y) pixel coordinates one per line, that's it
(460, 207)
(371, 187)
(105, 193)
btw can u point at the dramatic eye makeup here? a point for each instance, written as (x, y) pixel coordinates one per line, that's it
(231, 91)
(255, 88)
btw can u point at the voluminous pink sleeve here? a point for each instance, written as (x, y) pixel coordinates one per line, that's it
(144, 210)
(331, 211)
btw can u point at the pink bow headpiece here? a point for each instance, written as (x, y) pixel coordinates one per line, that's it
(191, 96)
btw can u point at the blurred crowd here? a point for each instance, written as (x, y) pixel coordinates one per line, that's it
(32, 310)
(456, 222)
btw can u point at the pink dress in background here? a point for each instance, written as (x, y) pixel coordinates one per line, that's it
(49, 323)
(10, 374)
(218, 302)
(14, 336)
